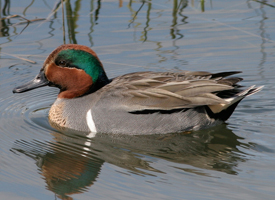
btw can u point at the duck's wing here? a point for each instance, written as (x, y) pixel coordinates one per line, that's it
(168, 91)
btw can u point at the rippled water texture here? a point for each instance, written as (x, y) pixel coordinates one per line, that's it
(235, 160)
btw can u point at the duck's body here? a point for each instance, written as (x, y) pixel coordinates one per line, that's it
(136, 103)
(115, 108)
(105, 117)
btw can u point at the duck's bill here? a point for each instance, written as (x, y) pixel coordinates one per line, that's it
(39, 81)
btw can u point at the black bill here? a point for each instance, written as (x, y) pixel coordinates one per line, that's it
(39, 81)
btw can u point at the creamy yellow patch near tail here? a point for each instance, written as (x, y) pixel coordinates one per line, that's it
(223, 106)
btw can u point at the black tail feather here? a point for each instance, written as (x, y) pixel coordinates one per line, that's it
(223, 115)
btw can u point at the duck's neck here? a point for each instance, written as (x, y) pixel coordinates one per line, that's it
(101, 82)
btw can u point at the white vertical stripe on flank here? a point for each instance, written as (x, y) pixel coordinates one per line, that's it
(90, 121)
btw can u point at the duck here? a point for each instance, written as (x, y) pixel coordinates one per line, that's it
(137, 103)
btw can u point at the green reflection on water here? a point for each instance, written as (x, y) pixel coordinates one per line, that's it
(71, 162)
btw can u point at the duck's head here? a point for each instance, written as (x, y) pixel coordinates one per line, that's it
(73, 68)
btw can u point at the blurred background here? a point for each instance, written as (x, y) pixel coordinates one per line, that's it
(232, 161)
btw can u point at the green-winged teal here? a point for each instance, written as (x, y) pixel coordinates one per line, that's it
(135, 103)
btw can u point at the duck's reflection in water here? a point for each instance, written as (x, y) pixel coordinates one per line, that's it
(71, 162)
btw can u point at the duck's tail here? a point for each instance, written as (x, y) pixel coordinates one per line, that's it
(224, 111)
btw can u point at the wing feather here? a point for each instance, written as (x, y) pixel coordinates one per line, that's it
(167, 91)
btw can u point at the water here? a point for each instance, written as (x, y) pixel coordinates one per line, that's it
(231, 161)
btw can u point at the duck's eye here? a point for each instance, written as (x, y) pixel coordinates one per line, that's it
(62, 63)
